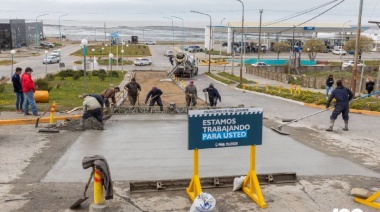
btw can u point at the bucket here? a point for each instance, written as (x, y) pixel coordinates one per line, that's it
(41, 96)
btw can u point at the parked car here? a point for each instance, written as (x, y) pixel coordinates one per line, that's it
(151, 42)
(142, 62)
(262, 64)
(339, 52)
(47, 44)
(169, 53)
(56, 53)
(351, 63)
(50, 60)
(195, 49)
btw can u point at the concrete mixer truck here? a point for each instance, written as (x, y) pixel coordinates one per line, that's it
(186, 65)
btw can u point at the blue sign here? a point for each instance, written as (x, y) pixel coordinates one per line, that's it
(115, 34)
(308, 28)
(227, 127)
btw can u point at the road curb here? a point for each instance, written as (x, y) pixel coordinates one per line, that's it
(365, 112)
(33, 120)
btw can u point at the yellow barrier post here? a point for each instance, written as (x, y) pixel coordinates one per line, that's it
(370, 201)
(291, 89)
(98, 188)
(52, 110)
(299, 89)
(254, 190)
(244, 88)
(266, 86)
(257, 85)
(195, 187)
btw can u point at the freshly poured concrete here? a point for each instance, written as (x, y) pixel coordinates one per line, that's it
(153, 147)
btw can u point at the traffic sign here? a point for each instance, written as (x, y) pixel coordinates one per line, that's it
(308, 28)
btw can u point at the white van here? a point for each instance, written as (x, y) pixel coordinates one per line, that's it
(337, 48)
(56, 53)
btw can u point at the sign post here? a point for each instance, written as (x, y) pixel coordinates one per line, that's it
(226, 127)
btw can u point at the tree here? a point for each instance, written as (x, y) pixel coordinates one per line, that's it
(280, 47)
(365, 44)
(312, 47)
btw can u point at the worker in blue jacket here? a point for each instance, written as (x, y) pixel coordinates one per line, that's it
(343, 97)
(213, 94)
(155, 95)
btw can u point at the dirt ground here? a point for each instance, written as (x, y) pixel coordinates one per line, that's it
(171, 91)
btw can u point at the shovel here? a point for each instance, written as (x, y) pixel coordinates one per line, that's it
(79, 201)
(38, 119)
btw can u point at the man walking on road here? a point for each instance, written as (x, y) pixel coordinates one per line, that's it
(109, 93)
(133, 91)
(342, 96)
(213, 95)
(191, 94)
(28, 88)
(155, 93)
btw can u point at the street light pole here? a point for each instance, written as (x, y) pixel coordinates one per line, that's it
(110, 57)
(209, 43)
(220, 47)
(84, 43)
(126, 52)
(12, 53)
(46, 52)
(93, 59)
(341, 44)
(172, 30)
(37, 37)
(259, 50)
(182, 32)
(122, 63)
(59, 26)
(242, 48)
(354, 69)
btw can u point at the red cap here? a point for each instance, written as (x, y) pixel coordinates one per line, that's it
(191, 81)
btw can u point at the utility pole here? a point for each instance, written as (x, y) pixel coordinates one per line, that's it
(259, 51)
(354, 69)
(105, 32)
(378, 73)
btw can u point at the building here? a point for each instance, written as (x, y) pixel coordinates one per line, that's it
(17, 33)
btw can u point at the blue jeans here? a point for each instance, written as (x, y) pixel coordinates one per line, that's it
(29, 100)
(19, 100)
(329, 88)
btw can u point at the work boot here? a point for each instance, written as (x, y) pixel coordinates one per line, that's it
(108, 110)
(331, 125)
(345, 126)
(101, 126)
(81, 125)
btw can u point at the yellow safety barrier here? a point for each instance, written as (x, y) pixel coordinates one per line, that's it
(370, 200)
(98, 188)
(257, 85)
(52, 110)
(279, 88)
(299, 90)
(41, 96)
(291, 89)
(244, 88)
(266, 86)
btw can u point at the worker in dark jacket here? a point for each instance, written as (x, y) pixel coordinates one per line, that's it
(109, 93)
(369, 85)
(329, 85)
(343, 97)
(17, 88)
(155, 93)
(213, 94)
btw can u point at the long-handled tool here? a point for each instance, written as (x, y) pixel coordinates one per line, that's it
(79, 201)
(205, 93)
(279, 130)
(38, 119)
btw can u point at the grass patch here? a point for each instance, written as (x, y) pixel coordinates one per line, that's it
(131, 50)
(7, 62)
(235, 78)
(64, 92)
(114, 62)
(220, 79)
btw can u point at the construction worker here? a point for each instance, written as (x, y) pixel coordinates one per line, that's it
(191, 94)
(91, 108)
(109, 93)
(171, 60)
(342, 96)
(213, 94)
(155, 93)
(133, 91)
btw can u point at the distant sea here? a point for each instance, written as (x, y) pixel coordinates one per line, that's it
(95, 30)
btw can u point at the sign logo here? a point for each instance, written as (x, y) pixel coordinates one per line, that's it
(225, 127)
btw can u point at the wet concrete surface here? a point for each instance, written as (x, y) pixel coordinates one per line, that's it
(153, 147)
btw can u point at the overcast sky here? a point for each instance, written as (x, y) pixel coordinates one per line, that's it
(154, 10)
